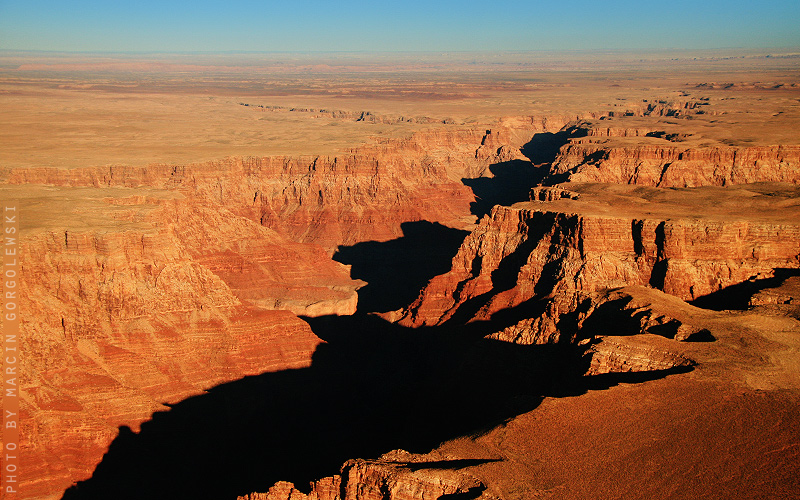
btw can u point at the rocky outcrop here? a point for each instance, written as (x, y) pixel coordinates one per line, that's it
(382, 479)
(546, 193)
(612, 355)
(666, 107)
(521, 254)
(639, 329)
(674, 166)
(375, 480)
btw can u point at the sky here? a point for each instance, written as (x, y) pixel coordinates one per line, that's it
(403, 26)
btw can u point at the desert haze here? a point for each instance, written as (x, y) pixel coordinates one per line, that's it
(406, 276)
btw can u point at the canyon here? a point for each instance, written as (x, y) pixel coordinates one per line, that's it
(499, 298)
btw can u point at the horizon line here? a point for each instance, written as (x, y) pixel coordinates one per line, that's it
(390, 52)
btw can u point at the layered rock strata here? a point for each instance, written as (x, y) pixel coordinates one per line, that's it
(119, 324)
(638, 329)
(163, 300)
(134, 300)
(552, 260)
(125, 321)
(259, 265)
(675, 166)
(357, 196)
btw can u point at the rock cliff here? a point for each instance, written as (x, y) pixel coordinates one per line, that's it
(553, 259)
(387, 478)
(357, 196)
(675, 166)
(159, 301)
(123, 322)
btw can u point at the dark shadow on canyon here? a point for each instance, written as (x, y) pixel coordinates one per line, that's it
(372, 387)
(543, 147)
(511, 181)
(737, 297)
(396, 270)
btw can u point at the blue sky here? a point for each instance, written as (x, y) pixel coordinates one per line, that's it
(411, 25)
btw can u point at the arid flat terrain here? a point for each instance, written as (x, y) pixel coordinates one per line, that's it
(68, 112)
(399, 276)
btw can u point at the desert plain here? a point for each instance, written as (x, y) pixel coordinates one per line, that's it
(402, 276)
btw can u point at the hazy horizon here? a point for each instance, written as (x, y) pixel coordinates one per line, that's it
(398, 61)
(782, 51)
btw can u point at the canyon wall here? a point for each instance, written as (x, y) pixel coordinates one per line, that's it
(177, 294)
(357, 196)
(118, 324)
(673, 166)
(521, 254)
(386, 478)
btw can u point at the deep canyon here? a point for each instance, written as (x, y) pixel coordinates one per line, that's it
(486, 291)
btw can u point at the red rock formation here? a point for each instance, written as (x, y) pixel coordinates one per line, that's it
(546, 193)
(378, 480)
(639, 329)
(665, 107)
(382, 479)
(672, 166)
(599, 131)
(260, 266)
(520, 253)
(631, 354)
(122, 322)
(361, 195)
(327, 488)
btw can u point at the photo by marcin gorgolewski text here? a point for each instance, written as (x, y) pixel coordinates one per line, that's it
(10, 324)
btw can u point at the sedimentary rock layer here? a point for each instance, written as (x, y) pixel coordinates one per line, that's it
(124, 320)
(529, 253)
(361, 195)
(119, 324)
(585, 160)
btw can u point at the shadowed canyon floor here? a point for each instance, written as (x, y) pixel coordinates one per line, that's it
(506, 276)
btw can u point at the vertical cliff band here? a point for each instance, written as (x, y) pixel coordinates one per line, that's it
(10, 457)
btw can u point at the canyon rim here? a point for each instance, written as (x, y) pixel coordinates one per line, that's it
(495, 276)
